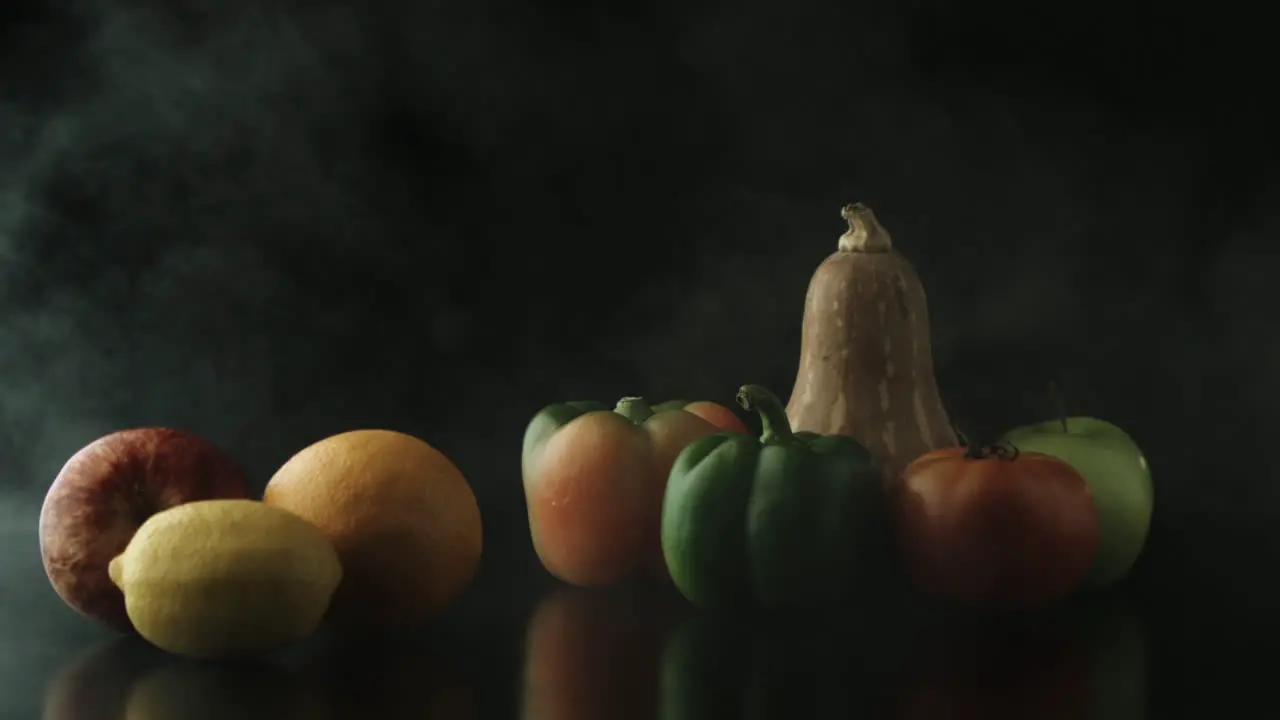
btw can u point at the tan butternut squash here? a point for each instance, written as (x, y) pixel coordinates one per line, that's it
(866, 359)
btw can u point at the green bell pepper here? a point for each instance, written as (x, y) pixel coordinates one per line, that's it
(794, 518)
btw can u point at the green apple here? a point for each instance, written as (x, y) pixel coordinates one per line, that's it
(1118, 477)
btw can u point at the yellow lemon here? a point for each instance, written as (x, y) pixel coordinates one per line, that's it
(219, 578)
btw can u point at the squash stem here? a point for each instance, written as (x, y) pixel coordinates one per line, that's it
(865, 233)
(775, 428)
(635, 409)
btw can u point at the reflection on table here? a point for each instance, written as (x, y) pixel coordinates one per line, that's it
(129, 680)
(596, 654)
(626, 654)
(603, 655)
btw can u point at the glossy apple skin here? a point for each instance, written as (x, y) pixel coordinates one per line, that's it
(1118, 477)
(106, 491)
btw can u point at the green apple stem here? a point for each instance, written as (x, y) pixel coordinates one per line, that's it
(1059, 404)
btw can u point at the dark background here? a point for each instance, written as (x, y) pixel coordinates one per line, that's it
(270, 222)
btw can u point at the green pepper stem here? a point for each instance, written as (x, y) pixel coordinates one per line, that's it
(635, 409)
(775, 428)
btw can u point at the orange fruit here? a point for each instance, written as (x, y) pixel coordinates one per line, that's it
(400, 514)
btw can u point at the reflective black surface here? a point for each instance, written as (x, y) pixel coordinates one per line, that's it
(624, 654)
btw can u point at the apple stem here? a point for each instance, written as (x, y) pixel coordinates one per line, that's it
(1059, 404)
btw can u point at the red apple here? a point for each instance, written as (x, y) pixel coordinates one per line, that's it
(106, 491)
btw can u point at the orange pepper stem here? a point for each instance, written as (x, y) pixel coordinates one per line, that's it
(635, 409)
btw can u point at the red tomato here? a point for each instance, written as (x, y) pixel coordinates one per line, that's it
(992, 528)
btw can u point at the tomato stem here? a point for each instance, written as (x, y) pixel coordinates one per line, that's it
(998, 451)
(865, 234)
(1004, 451)
(1059, 404)
(774, 426)
(635, 409)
